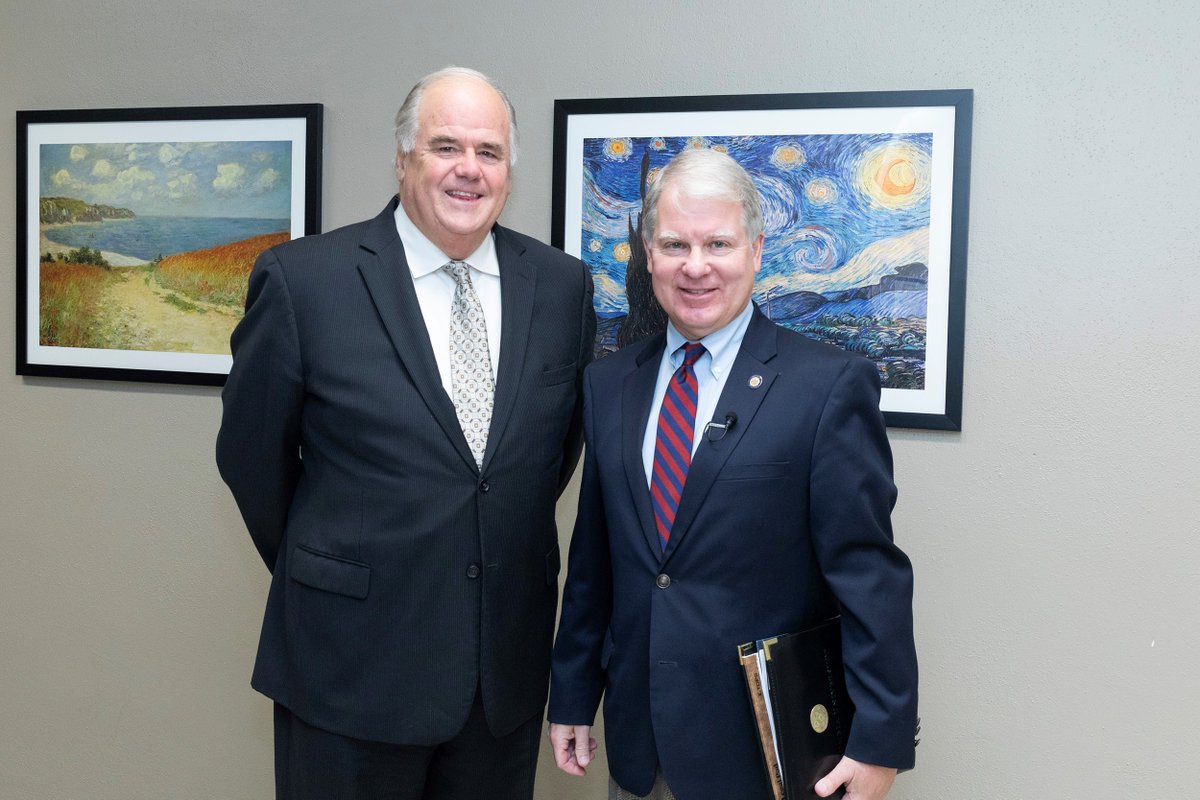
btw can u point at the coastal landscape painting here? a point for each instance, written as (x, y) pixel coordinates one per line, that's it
(863, 249)
(140, 238)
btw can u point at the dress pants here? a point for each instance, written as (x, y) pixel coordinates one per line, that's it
(660, 791)
(314, 764)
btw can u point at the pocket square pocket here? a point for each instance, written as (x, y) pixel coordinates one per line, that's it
(557, 375)
(329, 573)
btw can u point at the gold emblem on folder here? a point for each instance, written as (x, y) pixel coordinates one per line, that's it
(818, 718)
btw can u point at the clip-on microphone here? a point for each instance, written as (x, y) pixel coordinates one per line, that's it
(723, 427)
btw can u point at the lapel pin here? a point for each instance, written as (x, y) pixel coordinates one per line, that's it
(755, 381)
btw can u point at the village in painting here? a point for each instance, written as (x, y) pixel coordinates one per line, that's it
(846, 254)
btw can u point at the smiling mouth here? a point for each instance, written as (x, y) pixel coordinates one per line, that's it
(696, 292)
(459, 195)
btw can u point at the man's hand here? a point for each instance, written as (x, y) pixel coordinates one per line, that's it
(573, 747)
(863, 781)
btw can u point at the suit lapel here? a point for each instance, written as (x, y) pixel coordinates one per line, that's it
(518, 280)
(741, 397)
(388, 279)
(636, 396)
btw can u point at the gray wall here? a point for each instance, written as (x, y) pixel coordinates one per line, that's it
(1054, 540)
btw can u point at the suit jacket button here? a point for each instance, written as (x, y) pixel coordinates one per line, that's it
(663, 581)
(484, 486)
(473, 571)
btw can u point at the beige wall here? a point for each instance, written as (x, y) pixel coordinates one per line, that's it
(1055, 540)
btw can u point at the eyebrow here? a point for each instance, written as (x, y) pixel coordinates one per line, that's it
(718, 234)
(443, 139)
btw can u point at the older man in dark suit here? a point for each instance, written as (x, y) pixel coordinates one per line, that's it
(402, 413)
(689, 542)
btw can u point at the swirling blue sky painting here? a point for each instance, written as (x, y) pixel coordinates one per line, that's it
(847, 220)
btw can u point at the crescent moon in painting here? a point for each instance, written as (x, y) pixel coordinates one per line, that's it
(894, 175)
(897, 177)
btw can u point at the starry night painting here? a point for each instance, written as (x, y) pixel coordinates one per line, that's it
(847, 224)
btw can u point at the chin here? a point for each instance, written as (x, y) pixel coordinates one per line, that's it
(694, 331)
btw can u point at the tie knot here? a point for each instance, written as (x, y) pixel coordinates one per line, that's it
(459, 271)
(691, 353)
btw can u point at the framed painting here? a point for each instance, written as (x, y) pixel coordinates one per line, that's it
(137, 229)
(865, 198)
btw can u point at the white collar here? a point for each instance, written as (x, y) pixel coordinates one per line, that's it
(425, 258)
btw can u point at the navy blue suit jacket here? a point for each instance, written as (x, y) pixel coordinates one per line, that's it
(783, 522)
(403, 576)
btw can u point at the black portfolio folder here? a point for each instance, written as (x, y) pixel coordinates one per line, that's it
(801, 704)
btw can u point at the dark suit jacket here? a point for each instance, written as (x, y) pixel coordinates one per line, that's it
(403, 576)
(782, 521)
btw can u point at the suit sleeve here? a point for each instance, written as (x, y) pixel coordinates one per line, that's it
(258, 446)
(577, 677)
(587, 337)
(852, 498)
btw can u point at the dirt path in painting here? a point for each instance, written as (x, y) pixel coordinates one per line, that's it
(142, 318)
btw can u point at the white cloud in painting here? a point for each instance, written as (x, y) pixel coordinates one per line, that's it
(103, 168)
(78, 152)
(230, 177)
(135, 175)
(181, 186)
(267, 180)
(129, 184)
(113, 152)
(64, 180)
(167, 154)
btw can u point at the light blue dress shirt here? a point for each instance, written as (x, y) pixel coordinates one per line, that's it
(721, 348)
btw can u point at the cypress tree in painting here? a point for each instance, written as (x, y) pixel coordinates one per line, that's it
(646, 316)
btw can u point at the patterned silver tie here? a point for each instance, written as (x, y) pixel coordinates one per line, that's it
(470, 362)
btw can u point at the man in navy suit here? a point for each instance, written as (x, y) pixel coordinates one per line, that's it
(402, 413)
(737, 484)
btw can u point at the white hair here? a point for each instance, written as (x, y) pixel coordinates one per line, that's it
(707, 174)
(408, 117)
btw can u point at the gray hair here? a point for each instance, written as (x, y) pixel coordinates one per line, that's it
(408, 117)
(707, 174)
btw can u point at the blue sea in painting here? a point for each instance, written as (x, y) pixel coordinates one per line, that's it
(148, 238)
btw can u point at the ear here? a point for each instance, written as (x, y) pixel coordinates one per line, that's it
(757, 250)
(400, 164)
(649, 255)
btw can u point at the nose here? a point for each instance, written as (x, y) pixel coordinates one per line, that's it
(695, 265)
(468, 165)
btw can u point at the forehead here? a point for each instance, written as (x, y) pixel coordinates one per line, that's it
(465, 104)
(680, 213)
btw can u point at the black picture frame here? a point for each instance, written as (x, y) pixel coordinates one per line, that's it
(605, 149)
(201, 175)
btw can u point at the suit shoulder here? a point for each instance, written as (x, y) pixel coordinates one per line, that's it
(793, 343)
(823, 364)
(538, 251)
(317, 263)
(307, 247)
(613, 367)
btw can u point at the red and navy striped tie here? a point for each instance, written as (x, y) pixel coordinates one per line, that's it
(673, 448)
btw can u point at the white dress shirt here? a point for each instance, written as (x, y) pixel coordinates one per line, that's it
(435, 290)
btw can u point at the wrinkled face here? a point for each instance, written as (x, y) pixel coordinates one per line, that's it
(702, 264)
(455, 181)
